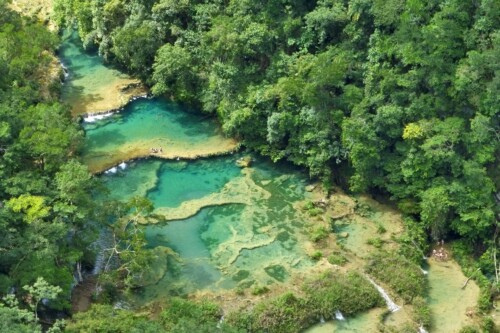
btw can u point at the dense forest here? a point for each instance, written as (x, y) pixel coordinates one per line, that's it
(44, 192)
(399, 98)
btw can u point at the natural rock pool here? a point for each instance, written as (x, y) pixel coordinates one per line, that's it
(245, 230)
(232, 228)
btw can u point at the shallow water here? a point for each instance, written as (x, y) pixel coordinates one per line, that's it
(242, 229)
(363, 323)
(91, 86)
(225, 246)
(447, 300)
(151, 123)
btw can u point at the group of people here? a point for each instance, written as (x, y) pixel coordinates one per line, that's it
(440, 254)
(156, 150)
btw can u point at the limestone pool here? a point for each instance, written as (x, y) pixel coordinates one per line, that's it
(231, 227)
(227, 245)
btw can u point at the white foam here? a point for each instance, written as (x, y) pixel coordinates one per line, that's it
(122, 165)
(393, 307)
(112, 170)
(95, 117)
(421, 329)
(339, 315)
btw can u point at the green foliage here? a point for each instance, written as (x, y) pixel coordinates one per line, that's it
(181, 315)
(15, 319)
(376, 242)
(41, 290)
(337, 258)
(106, 319)
(421, 312)
(44, 199)
(318, 233)
(350, 293)
(317, 255)
(406, 278)
(469, 329)
(286, 313)
(260, 290)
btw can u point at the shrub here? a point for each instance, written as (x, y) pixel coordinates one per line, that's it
(421, 312)
(318, 234)
(317, 255)
(399, 273)
(337, 258)
(259, 290)
(349, 293)
(180, 313)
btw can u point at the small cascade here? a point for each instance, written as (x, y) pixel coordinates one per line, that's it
(421, 329)
(321, 320)
(102, 257)
(65, 70)
(95, 117)
(393, 307)
(424, 271)
(122, 165)
(339, 315)
(221, 321)
(111, 171)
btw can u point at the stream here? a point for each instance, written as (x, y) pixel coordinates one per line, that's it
(232, 227)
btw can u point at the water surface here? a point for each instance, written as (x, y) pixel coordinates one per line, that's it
(147, 124)
(92, 87)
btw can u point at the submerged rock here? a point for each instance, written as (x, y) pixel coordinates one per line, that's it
(310, 188)
(244, 162)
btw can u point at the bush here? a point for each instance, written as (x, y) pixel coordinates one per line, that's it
(318, 234)
(421, 312)
(399, 273)
(469, 329)
(180, 313)
(317, 255)
(375, 242)
(337, 258)
(260, 290)
(349, 293)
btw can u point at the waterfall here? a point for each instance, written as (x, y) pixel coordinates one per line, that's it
(421, 329)
(65, 70)
(424, 271)
(95, 117)
(321, 320)
(221, 321)
(122, 165)
(102, 257)
(393, 307)
(339, 315)
(110, 171)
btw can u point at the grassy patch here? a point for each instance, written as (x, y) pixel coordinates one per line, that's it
(399, 273)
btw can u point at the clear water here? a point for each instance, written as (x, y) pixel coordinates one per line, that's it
(150, 123)
(362, 323)
(90, 86)
(447, 300)
(222, 246)
(229, 245)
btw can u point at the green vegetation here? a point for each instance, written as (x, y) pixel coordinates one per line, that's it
(406, 92)
(45, 195)
(405, 278)
(323, 295)
(337, 258)
(395, 97)
(48, 212)
(349, 293)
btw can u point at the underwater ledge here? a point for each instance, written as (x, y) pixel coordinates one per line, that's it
(142, 151)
